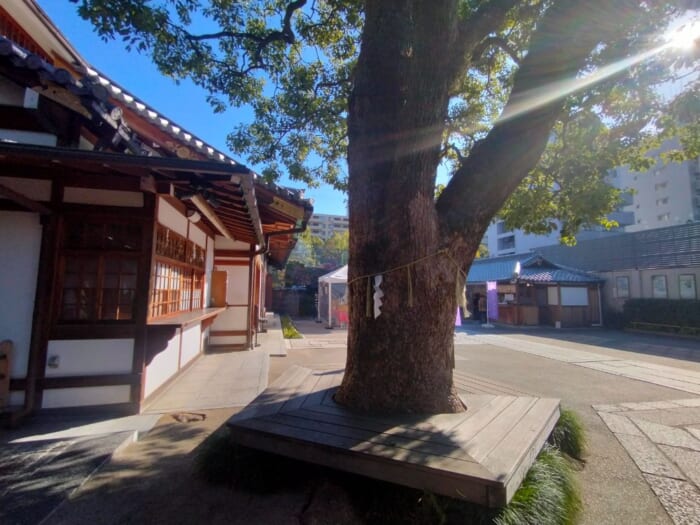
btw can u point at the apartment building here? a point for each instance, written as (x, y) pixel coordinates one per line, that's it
(324, 225)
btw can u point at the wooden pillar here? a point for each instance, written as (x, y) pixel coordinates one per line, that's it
(141, 301)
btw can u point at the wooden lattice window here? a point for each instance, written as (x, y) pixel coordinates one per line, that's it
(176, 289)
(178, 274)
(98, 288)
(99, 270)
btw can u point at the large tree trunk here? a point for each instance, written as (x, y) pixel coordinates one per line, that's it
(402, 360)
(412, 52)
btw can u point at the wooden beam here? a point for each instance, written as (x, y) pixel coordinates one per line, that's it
(24, 201)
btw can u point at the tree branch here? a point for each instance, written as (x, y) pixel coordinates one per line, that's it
(499, 42)
(496, 165)
(487, 19)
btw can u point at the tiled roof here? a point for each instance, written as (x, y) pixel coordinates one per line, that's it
(533, 268)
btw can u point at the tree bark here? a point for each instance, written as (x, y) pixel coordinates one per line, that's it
(402, 360)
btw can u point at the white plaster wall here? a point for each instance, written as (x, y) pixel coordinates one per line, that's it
(35, 189)
(128, 199)
(197, 236)
(170, 217)
(222, 243)
(191, 344)
(233, 318)
(227, 340)
(20, 244)
(85, 396)
(90, 357)
(163, 366)
(237, 292)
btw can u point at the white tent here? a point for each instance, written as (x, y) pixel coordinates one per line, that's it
(339, 277)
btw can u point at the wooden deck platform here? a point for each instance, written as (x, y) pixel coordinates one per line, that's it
(480, 455)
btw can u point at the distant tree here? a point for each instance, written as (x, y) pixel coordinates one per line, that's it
(334, 251)
(397, 87)
(307, 249)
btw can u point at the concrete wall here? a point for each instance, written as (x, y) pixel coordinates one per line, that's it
(86, 396)
(640, 284)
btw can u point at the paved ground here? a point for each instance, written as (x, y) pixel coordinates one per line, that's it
(635, 394)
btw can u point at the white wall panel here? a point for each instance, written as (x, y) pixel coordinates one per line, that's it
(227, 340)
(90, 357)
(197, 236)
(35, 189)
(163, 366)
(237, 292)
(574, 296)
(233, 318)
(170, 217)
(191, 344)
(20, 244)
(86, 396)
(222, 243)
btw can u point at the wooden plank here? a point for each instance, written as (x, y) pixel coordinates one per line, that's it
(297, 399)
(487, 438)
(273, 398)
(482, 418)
(360, 448)
(518, 451)
(428, 446)
(472, 488)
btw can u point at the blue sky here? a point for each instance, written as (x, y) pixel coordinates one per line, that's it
(183, 103)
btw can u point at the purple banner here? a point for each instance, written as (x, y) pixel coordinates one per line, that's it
(492, 300)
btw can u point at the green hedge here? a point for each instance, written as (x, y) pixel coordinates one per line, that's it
(675, 312)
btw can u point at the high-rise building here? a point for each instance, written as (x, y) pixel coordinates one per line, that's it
(665, 195)
(324, 226)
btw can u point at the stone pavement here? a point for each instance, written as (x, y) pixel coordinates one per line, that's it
(658, 429)
(151, 481)
(50, 456)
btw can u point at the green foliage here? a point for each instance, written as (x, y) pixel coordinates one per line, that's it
(293, 63)
(306, 251)
(569, 435)
(334, 251)
(681, 312)
(289, 331)
(548, 495)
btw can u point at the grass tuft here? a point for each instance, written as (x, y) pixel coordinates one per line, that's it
(289, 331)
(548, 495)
(568, 435)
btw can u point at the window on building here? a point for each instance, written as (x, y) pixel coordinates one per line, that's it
(664, 217)
(660, 186)
(622, 286)
(661, 202)
(501, 228)
(178, 274)
(506, 243)
(686, 286)
(658, 287)
(99, 268)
